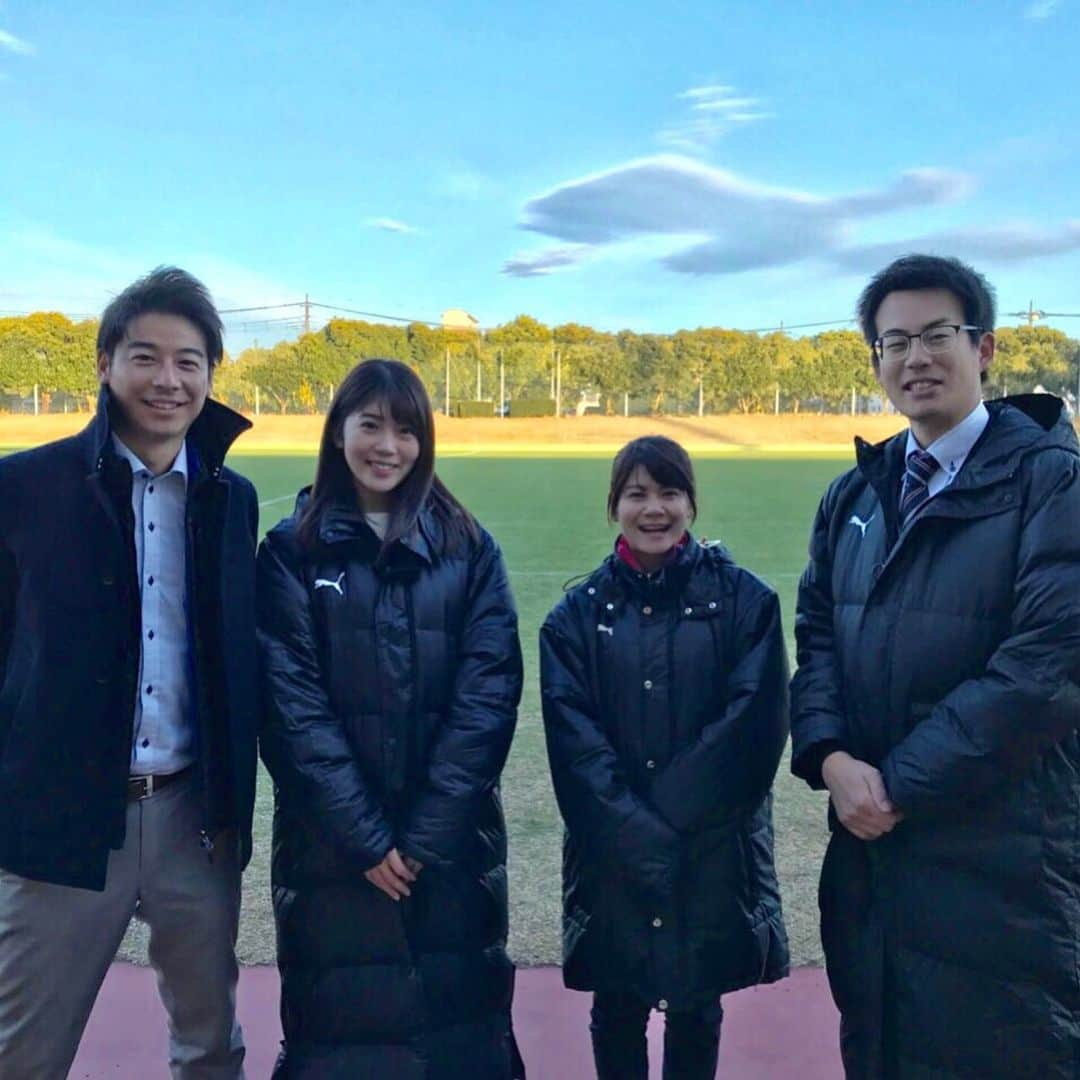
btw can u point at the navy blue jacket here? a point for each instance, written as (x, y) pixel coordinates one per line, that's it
(665, 710)
(947, 654)
(69, 646)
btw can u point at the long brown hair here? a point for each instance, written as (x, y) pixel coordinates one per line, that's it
(401, 393)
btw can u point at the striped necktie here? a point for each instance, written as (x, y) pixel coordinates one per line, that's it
(914, 492)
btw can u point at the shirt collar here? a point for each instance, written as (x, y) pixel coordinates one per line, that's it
(179, 466)
(951, 449)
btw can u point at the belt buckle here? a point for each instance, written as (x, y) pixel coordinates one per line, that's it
(146, 783)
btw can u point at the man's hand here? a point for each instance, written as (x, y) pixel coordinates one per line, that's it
(858, 796)
(393, 875)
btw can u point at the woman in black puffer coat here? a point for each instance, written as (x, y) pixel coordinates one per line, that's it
(393, 671)
(664, 683)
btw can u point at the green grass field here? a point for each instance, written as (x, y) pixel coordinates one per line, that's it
(548, 515)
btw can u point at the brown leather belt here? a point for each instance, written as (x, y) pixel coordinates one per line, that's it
(142, 787)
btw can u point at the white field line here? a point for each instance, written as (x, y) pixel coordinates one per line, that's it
(280, 498)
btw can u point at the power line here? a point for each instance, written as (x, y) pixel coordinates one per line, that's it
(375, 314)
(1033, 314)
(796, 326)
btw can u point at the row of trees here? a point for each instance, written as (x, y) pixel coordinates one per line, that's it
(713, 369)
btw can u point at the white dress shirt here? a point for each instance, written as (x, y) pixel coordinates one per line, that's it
(163, 741)
(951, 449)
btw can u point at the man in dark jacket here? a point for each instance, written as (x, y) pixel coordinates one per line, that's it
(938, 632)
(127, 695)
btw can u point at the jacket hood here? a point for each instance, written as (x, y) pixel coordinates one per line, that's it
(213, 431)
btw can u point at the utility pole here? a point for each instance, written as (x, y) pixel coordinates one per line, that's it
(502, 387)
(558, 383)
(700, 394)
(446, 406)
(307, 314)
(478, 390)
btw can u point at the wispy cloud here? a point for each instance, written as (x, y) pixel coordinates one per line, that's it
(1042, 9)
(697, 219)
(713, 111)
(10, 43)
(999, 243)
(390, 225)
(56, 273)
(465, 184)
(546, 260)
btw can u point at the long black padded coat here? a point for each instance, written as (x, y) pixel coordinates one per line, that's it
(665, 710)
(391, 698)
(947, 654)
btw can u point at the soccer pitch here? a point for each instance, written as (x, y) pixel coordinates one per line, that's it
(548, 515)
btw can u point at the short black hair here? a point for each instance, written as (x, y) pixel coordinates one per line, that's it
(910, 272)
(662, 458)
(170, 291)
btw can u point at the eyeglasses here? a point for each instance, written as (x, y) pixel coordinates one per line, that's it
(935, 339)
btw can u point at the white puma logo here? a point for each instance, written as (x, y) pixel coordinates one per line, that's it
(856, 520)
(602, 629)
(326, 583)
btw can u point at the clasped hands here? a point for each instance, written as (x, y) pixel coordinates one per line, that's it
(858, 796)
(394, 874)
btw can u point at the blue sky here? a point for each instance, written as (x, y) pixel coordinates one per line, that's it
(650, 166)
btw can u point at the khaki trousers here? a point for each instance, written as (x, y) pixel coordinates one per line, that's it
(57, 942)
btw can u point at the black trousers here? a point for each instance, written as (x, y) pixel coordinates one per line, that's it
(691, 1039)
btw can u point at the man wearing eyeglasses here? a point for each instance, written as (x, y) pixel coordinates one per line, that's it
(938, 633)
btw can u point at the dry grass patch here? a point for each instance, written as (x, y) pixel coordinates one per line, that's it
(493, 436)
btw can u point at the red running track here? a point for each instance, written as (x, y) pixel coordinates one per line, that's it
(785, 1030)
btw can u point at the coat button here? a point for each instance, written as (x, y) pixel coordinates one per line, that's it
(647, 684)
(712, 605)
(650, 764)
(688, 611)
(591, 591)
(610, 607)
(646, 610)
(662, 1004)
(657, 922)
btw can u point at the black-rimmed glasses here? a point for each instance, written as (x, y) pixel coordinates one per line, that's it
(935, 339)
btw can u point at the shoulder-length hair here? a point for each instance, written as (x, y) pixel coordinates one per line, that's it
(662, 458)
(398, 389)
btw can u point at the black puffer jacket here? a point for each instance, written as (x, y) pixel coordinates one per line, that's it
(665, 709)
(391, 703)
(948, 656)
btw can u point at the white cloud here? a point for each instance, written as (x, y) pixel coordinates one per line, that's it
(390, 225)
(714, 110)
(999, 243)
(1042, 9)
(55, 273)
(546, 260)
(697, 219)
(11, 43)
(716, 221)
(464, 184)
